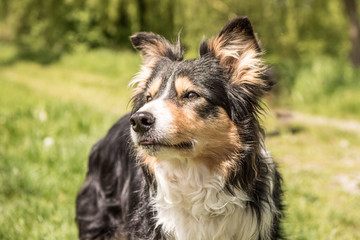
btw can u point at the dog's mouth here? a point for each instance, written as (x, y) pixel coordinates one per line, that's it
(151, 144)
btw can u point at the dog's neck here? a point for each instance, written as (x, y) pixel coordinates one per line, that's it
(192, 203)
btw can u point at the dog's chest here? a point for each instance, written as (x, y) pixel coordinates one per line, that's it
(191, 204)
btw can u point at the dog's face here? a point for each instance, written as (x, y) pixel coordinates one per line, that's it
(184, 112)
(197, 109)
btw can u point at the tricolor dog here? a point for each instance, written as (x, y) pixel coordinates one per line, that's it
(189, 162)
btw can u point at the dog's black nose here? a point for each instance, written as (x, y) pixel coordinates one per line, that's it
(142, 121)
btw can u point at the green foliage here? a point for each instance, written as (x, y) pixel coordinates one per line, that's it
(45, 29)
(322, 85)
(288, 29)
(49, 28)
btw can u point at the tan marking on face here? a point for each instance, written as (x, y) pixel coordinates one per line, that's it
(219, 143)
(154, 87)
(217, 139)
(183, 85)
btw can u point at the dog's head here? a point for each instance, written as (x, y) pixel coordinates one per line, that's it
(203, 110)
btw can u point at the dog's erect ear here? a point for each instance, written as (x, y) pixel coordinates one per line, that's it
(238, 51)
(153, 46)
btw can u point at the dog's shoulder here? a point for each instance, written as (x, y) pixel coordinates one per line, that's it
(114, 146)
(101, 204)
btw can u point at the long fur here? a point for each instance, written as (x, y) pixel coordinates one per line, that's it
(190, 161)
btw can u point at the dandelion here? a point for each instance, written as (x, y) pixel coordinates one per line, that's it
(42, 116)
(48, 142)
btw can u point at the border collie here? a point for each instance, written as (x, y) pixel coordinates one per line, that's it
(189, 162)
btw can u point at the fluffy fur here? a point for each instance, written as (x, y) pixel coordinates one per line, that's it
(189, 162)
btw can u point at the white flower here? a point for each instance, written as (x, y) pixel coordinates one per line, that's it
(42, 116)
(48, 142)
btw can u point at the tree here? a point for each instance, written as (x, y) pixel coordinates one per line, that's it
(351, 10)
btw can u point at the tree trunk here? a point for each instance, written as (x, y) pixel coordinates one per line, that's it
(351, 10)
(171, 17)
(142, 11)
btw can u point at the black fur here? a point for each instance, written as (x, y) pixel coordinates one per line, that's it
(113, 201)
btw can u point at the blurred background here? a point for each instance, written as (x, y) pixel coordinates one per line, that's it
(64, 70)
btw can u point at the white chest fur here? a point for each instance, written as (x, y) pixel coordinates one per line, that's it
(191, 204)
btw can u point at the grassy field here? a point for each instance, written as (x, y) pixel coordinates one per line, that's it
(50, 115)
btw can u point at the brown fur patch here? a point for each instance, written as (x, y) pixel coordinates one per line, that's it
(154, 46)
(216, 139)
(148, 160)
(220, 142)
(183, 85)
(157, 47)
(241, 56)
(154, 87)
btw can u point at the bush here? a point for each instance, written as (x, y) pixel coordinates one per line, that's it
(322, 85)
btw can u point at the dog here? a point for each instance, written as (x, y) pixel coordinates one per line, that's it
(189, 161)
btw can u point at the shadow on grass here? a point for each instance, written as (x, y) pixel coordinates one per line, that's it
(43, 57)
(292, 129)
(11, 53)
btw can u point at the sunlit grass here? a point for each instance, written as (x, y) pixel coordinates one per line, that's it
(44, 144)
(50, 115)
(312, 160)
(49, 118)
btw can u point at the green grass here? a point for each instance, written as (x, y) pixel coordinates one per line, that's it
(50, 115)
(43, 147)
(49, 118)
(312, 160)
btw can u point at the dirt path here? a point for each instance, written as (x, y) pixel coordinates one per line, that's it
(347, 175)
(292, 116)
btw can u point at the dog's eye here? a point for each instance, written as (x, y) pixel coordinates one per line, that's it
(191, 95)
(148, 98)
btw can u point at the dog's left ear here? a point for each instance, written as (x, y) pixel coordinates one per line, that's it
(153, 46)
(238, 51)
